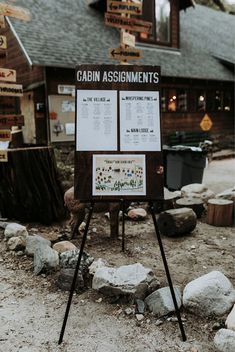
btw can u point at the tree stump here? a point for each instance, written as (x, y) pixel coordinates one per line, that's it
(29, 186)
(196, 204)
(220, 212)
(175, 222)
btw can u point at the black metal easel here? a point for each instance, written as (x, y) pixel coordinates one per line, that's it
(123, 248)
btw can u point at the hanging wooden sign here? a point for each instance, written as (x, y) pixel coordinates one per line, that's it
(11, 120)
(3, 42)
(7, 75)
(206, 123)
(2, 22)
(3, 156)
(5, 135)
(129, 8)
(130, 24)
(13, 90)
(127, 54)
(127, 39)
(15, 11)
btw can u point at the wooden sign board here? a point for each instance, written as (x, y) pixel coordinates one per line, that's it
(206, 123)
(15, 11)
(5, 135)
(9, 106)
(11, 120)
(127, 39)
(3, 42)
(131, 24)
(129, 8)
(118, 133)
(13, 90)
(2, 22)
(7, 75)
(3, 156)
(126, 54)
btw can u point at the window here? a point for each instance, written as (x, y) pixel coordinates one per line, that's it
(174, 100)
(159, 13)
(201, 100)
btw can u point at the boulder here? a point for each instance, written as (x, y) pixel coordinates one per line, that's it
(64, 246)
(69, 260)
(45, 259)
(227, 194)
(224, 340)
(197, 190)
(97, 264)
(65, 280)
(160, 302)
(16, 244)
(15, 230)
(33, 242)
(128, 280)
(137, 214)
(209, 295)
(230, 321)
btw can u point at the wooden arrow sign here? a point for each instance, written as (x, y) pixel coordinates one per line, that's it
(11, 120)
(125, 54)
(130, 24)
(129, 8)
(3, 42)
(11, 90)
(3, 156)
(5, 135)
(7, 75)
(15, 11)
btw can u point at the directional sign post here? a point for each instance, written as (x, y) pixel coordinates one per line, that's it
(7, 75)
(13, 90)
(127, 39)
(131, 24)
(3, 42)
(129, 8)
(125, 54)
(2, 22)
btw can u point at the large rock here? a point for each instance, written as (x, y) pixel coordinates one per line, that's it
(16, 244)
(64, 246)
(128, 280)
(160, 302)
(197, 190)
(15, 230)
(227, 194)
(69, 260)
(65, 280)
(224, 340)
(45, 259)
(230, 321)
(34, 242)
(210, 294)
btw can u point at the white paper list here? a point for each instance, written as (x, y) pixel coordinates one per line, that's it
(139, 121)
(96, 120)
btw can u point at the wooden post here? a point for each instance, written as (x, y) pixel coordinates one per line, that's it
(220, 212)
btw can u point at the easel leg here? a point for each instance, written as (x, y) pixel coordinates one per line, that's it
(167, 273)
(75, 274)
(123, 225)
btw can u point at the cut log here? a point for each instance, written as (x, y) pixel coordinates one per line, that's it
(29, 186)
(196, 204)
(220, 212)
(175, 222)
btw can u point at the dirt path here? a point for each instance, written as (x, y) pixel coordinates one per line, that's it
(32, 308)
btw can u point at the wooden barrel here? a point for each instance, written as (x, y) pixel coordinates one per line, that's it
(29, 186)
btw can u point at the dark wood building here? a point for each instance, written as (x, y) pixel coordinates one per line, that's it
(193, 46)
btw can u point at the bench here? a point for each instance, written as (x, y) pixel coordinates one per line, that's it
(187, 138)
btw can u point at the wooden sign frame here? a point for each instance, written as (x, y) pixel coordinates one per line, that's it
(103, 87)
(126, 7)
(131, 24)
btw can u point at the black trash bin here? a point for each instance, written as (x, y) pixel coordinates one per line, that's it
(183, 165)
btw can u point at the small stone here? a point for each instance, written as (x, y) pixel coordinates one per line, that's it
(99, 300)
(159, 322)
(16, 244)
(129, 311)
(15, 230)
(137, 214)
(139, 317)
